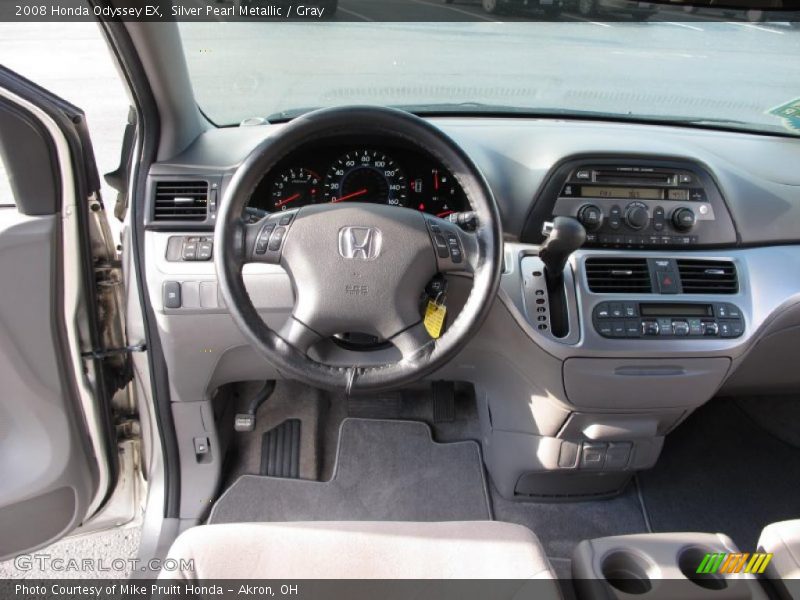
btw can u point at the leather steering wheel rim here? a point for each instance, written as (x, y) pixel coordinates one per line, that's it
(231, 241)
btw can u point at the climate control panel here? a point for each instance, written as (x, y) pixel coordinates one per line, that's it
(675, 320)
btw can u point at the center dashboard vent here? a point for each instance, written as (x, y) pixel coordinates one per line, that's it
(708, 276)
(181, 201)
(618, 275)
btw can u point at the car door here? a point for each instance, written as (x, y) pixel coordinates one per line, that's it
(56, 438)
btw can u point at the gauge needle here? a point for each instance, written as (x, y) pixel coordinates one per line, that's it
(360, 192)
(287, 200)
(441, 215)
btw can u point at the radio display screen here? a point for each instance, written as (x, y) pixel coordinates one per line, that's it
(600, 191)
(675, 310)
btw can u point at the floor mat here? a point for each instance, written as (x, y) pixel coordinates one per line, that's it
(385, 470)
(560, 526)
(722, 472)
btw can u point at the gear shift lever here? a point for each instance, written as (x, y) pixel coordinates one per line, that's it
(564, 236)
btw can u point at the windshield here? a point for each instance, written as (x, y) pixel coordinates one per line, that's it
(728, 74)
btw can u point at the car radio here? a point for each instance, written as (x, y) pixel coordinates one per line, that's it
(667, 320)
(640, 206)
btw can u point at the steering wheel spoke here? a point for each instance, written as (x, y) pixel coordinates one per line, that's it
(298, 335)
(414, 343)
(454, 248)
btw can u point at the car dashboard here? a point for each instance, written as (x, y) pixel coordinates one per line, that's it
(687, 286)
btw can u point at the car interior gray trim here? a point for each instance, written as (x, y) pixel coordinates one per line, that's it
(34, 193)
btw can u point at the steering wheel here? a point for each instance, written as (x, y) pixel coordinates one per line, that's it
(356, 266)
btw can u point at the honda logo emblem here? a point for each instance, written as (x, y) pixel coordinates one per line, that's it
(360, 242)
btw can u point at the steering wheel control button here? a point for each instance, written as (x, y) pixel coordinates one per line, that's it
(263, 238)
(442, 248)
(456, 255)
(286, 219)
(172, 294)
(276, 239)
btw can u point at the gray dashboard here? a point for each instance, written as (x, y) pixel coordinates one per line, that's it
(540, 397)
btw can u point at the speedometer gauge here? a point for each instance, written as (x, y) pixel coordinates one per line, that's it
(366, 176)
(293, 188)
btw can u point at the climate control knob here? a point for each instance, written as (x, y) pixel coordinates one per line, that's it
(636, 216)
(591, 217)
(683, 219)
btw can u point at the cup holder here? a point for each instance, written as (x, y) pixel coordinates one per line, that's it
(627, 572)
(688, 561)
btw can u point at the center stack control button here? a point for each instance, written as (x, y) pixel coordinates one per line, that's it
(680, 328)
(650, 328)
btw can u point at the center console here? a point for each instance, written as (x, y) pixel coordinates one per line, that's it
(663, 566)
(644, 323)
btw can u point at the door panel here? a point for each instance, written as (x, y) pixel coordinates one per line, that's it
(49, 465)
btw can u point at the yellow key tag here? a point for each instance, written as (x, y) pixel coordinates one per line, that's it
(434, 318)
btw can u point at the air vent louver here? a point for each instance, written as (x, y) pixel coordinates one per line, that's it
(708, 276)
(618, 275)
(181, 201)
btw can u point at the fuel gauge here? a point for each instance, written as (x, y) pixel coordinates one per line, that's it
(443, 198)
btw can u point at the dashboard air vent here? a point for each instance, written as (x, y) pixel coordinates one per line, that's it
(708, 276)
(618, 275)
(181, 201)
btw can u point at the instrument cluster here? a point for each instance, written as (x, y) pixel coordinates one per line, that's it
(360, 172)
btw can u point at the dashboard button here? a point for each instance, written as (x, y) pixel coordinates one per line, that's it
(695, 327)
(629, 309)
(204, 250)
(667, 282)
(618, 328)
(665, 326)
(721, 311)
(710, 329)
(725, 329)
(605, 329)
(172, 294)
(649, 328)
(680, 328)
(616, 310)
(602, 310)
(734, 312)
(737, 328)
(632, 329)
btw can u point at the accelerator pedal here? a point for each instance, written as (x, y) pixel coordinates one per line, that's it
(444, 401)
(280, 450)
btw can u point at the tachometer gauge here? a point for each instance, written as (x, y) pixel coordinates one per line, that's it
(293, 188)
(366, 176)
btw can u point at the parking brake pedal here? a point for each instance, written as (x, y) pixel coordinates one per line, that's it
(246, 421)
